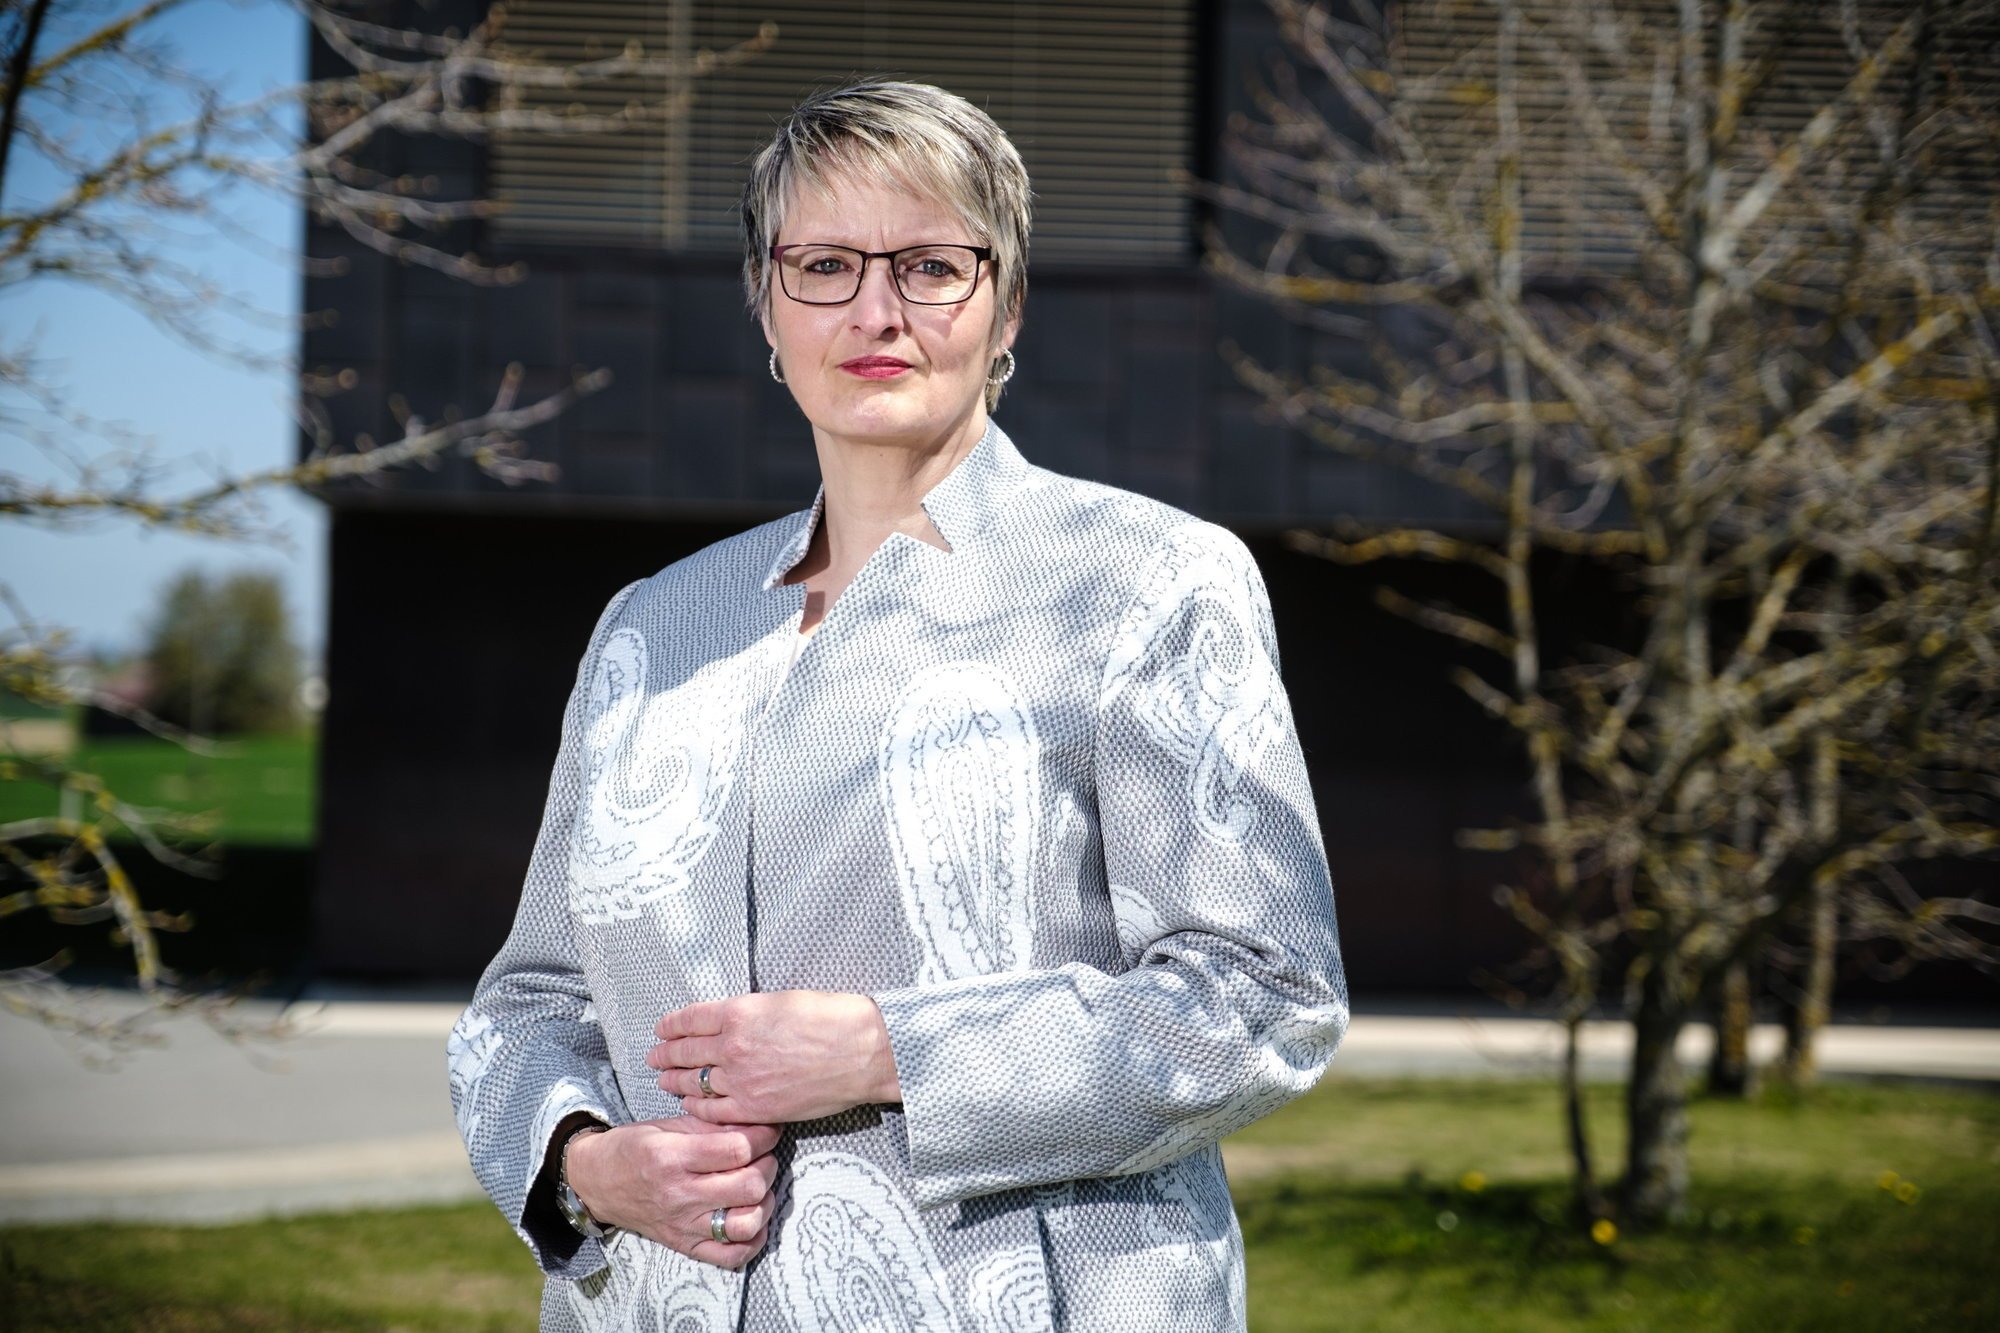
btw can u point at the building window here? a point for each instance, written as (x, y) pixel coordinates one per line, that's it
(1577, 198)
(1098, 97)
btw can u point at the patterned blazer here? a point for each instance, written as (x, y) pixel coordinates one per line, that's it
(1040, 796)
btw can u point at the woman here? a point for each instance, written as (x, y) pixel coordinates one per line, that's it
(928, 880)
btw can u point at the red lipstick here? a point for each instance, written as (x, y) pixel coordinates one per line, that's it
(875, 367)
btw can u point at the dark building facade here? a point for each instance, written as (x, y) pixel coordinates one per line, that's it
(459, 606)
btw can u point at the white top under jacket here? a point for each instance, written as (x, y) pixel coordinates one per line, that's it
(1039, 795)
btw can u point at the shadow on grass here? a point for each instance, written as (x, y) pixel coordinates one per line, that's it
(1749, 1254)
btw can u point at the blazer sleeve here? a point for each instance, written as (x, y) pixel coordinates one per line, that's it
(528, 1055)
(1232, 1000)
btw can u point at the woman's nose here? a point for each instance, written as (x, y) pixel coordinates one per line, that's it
(878, 305)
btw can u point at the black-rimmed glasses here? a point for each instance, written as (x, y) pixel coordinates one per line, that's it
(814, 274)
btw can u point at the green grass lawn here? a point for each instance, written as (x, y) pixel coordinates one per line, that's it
(1368, 1205)
(261, 789)
(1387, 1205)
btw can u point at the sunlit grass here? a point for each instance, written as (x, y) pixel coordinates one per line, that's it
(1409, 1205)
(414, 1268)
(261, 790)
(1368, 1205)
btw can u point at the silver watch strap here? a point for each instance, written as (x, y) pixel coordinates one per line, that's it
(567, 1199)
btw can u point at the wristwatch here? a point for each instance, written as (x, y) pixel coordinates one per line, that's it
(566, 1198)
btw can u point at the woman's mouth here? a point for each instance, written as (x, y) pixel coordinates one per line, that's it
(875, 367)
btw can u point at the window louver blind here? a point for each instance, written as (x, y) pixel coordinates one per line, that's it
(1578, 211)
(594, 186)
(1098, 97)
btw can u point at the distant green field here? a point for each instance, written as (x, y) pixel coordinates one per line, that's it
(1368, 1206)
(261, 791)
(13, 705)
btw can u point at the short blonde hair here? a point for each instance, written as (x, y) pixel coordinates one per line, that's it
(908, 136)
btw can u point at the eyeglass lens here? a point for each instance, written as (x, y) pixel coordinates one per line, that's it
(925, 274)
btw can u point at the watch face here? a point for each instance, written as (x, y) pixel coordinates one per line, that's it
(579, 1216)
(573, 1210)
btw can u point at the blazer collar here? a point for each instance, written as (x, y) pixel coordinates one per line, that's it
(960, 507)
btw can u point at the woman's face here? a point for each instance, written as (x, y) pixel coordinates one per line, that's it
(880, 369)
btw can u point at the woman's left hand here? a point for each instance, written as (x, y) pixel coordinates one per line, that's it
(776, 1057)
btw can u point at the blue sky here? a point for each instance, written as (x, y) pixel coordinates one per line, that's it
(207, 414)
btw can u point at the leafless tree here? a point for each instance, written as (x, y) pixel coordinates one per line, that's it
(143, 144)
(1703, 291)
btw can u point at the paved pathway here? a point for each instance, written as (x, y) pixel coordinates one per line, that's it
(352, 1111)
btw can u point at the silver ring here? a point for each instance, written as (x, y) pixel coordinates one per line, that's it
(707, 1088)
(718, 1225)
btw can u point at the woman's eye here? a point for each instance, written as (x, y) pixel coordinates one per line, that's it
(824, 264)
(932, 267)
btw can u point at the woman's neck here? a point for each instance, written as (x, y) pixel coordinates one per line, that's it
(875, 488)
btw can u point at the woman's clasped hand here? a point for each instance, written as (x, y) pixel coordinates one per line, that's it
(776, 1057)
(665, 1179)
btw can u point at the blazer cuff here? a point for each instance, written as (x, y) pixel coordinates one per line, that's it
(982, 1114)
(559, 1248)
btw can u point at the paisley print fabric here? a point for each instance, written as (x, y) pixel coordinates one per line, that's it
(1039, 796)
(1290, 1058)
(469, 1050)
(960, 779)
(1138, 923)
(852, 1256)
(1216, 702)
(658, 768)
(647, 1288)
(1008, 1292)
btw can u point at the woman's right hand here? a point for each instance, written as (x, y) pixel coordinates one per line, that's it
(663, 1179)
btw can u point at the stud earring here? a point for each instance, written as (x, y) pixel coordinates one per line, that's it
(777, 374)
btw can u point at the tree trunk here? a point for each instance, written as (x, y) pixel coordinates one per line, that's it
(1589, 1200)
(1729, 1061)
(1799, 1066)
(1656, 1162)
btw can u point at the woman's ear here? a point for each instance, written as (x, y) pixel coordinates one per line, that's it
(1012, 328)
